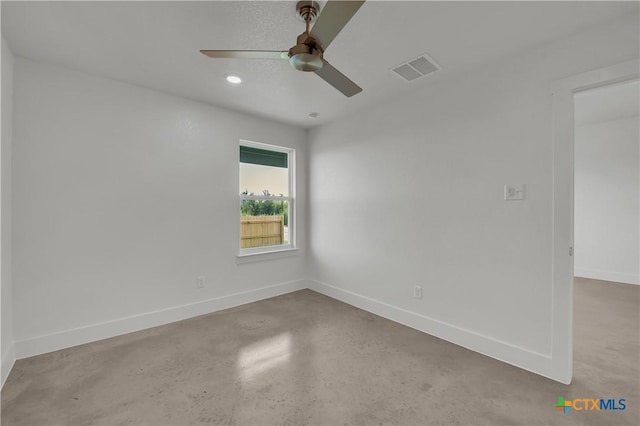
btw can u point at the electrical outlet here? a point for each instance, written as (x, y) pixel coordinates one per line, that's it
(200, 282)
(417, 292)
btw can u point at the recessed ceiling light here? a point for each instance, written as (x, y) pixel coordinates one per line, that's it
(233, 79)
(314, 115)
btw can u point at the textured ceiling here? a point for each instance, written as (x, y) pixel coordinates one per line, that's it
(156, 45)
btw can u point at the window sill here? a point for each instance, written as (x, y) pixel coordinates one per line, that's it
(266, 255)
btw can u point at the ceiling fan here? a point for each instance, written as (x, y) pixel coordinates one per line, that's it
(308, 53)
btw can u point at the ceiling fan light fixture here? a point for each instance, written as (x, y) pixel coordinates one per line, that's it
(306, 62)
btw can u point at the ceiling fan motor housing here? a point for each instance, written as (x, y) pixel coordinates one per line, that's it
(307, 54)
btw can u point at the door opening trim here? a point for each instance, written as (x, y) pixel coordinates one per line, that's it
(562, 230)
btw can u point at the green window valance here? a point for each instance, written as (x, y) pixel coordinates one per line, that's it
(263, 157)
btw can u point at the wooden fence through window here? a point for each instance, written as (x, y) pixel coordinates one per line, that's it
(259, 231)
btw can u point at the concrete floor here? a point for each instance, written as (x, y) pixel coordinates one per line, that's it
(303, 358)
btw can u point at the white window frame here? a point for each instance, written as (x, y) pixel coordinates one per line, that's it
(291, 201)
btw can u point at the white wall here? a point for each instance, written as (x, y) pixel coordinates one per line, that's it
(411, 193)
(122, 197)
(607, 192)
(7, 353)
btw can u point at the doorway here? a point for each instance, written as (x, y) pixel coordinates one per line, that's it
(563, 91)
(606, 183)
(607, 233)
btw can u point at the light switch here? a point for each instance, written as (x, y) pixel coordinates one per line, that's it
(514, 192)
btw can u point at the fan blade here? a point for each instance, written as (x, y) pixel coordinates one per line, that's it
(333, 17)
(246, 54)
(338, 80)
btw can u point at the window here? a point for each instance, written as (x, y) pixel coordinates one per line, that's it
(266, 198)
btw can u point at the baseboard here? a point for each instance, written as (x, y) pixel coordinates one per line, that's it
(607, 276)
(91, 333)
(532, 361)
(535, 362)
(8, 359)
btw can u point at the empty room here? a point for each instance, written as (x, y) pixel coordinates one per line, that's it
(320, 213)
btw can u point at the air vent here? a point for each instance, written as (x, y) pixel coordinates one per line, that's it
(416, 68)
